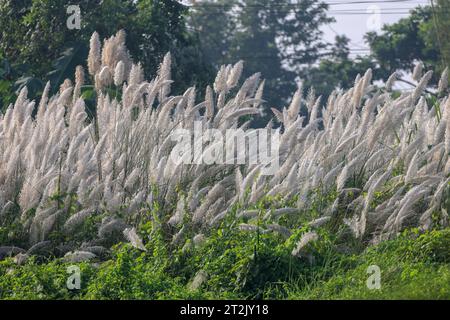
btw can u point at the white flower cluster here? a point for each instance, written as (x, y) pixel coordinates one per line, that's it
(118, 161)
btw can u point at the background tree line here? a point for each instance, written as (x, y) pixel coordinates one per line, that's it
(281, 39)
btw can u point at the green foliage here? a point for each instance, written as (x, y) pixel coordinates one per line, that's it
(239, 264)
(64, 66)
(37, 43)
(242, 265)
(40, 281)
(272, 37)
(338, 71)
(423, 35)
(12, 79)
(401, 43)
(414, 266)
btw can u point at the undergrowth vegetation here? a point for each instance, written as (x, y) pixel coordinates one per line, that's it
(239, 265)
(99, 188)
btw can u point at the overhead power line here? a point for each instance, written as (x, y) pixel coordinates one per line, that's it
(215, 8)
(345, 12)
(296, 5)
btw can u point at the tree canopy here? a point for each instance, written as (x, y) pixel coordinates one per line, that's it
(278, 38)
(35, 40)
(422, 36)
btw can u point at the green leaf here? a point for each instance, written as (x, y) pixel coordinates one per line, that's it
(65, 65)
(33, 84)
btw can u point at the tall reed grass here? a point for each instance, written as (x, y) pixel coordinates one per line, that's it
(385, 156)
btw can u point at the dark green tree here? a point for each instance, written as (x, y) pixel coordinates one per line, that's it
(278, 38)
(35, 39)
(336, 70)
(424, 36)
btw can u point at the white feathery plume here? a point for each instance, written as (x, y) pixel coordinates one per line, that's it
(79, 256)
(249, 227)
(304, 241)
(119, 74)
(294, 107)
(422, 85)
(443, 82)
(177, 217)
(280, 212)
(412, 168)
(235, 74)
(391, 80)
(285, 232)
(94, 57)
(131, 235)
(117, 161)
(417, 72)
(77, 219)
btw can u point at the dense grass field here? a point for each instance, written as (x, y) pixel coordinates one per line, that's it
(96, 204)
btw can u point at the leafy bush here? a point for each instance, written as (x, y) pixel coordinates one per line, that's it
(414, 266)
